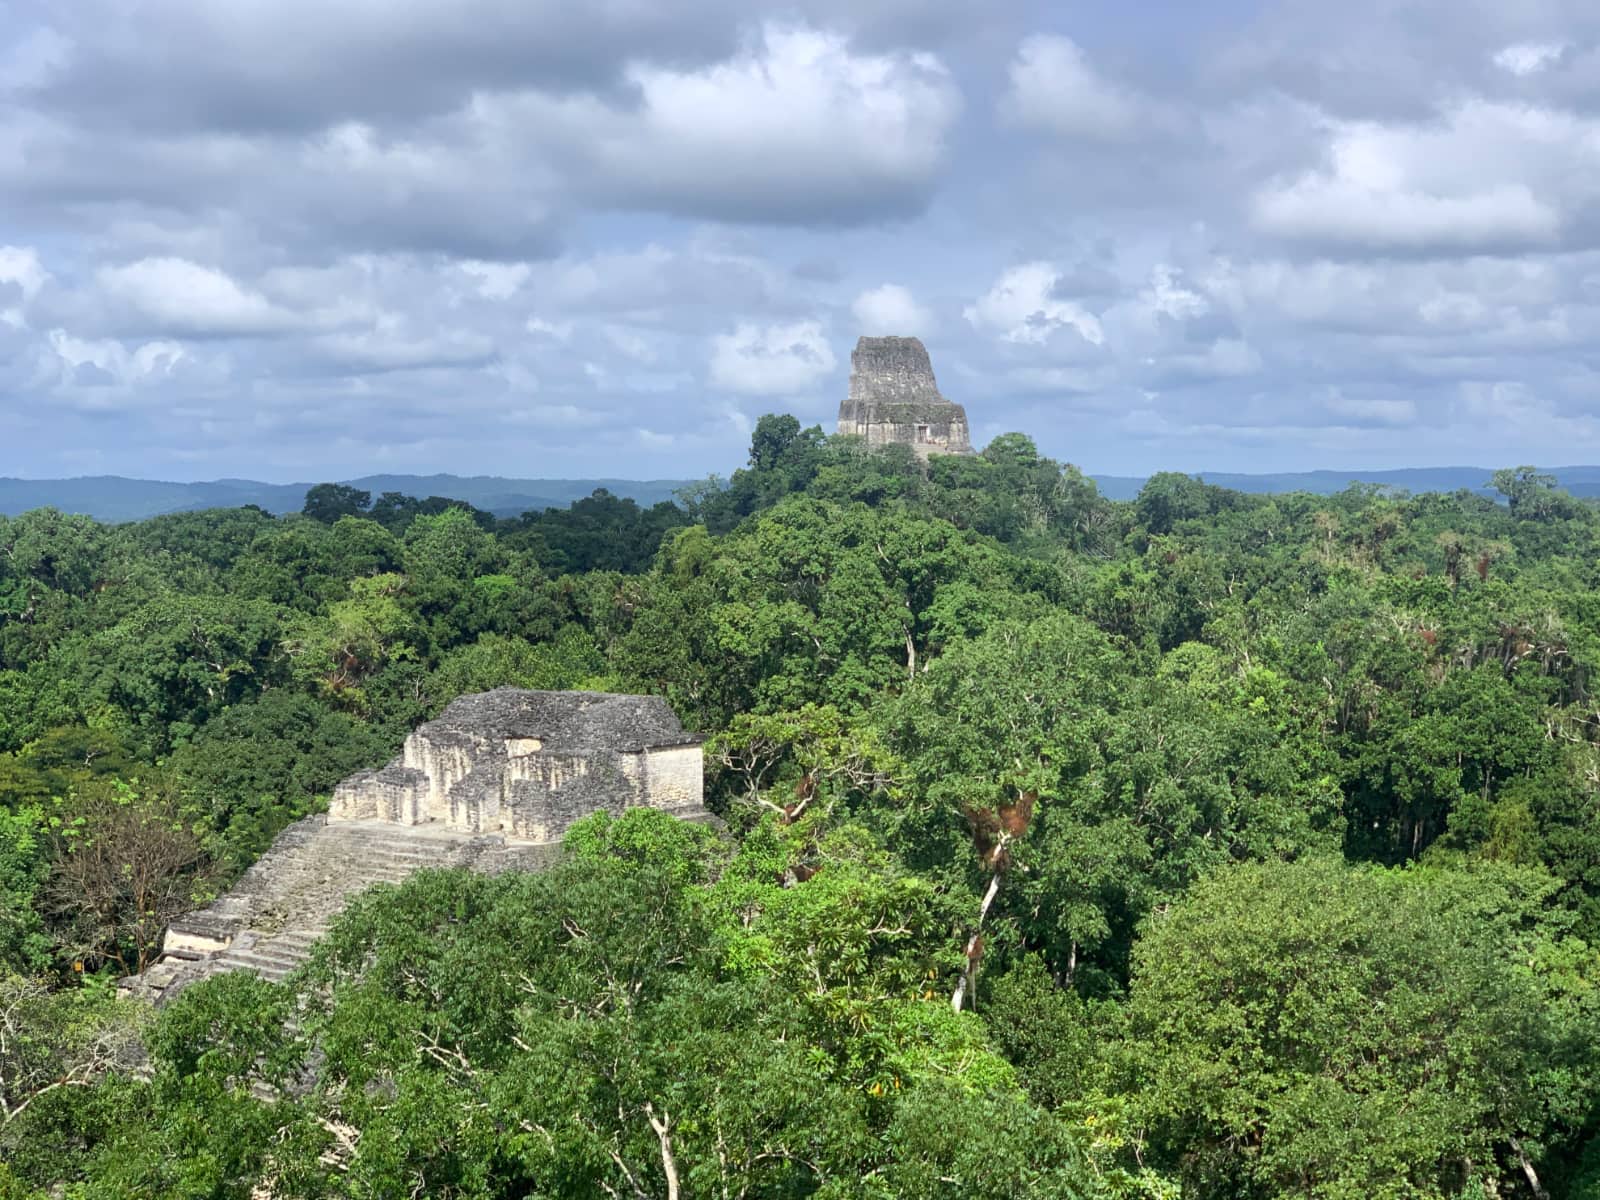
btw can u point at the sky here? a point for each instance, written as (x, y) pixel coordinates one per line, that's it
(307, 239)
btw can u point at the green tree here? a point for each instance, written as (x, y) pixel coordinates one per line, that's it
(1312, 1029)
(328, 502)
(55, 1040)
(179, 660)
(264, 763)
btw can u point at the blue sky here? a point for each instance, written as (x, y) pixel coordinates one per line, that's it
(288, 239)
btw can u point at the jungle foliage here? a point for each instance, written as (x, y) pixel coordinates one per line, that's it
(1208, 844)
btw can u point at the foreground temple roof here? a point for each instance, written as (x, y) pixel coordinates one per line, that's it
(567, 722)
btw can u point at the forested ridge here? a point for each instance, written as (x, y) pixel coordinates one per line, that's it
(1207, 844)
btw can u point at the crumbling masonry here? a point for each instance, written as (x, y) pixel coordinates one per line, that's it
(492, 785)
(528, 764)
(894, 398)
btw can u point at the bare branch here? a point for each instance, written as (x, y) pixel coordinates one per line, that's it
(668, 1163)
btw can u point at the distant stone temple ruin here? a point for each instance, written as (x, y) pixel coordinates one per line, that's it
(894, 398)
(492, 785)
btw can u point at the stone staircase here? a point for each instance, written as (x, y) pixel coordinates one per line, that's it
(269, 920)
(272, 958)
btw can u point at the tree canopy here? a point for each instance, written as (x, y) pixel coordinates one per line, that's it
(1202, 844)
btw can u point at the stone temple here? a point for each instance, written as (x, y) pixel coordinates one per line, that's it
(894, 398)
(528, 764)
(491, 785)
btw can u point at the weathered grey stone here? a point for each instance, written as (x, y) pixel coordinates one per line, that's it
(491, 786)
(528, 764)
(270, 918)
(895, 398)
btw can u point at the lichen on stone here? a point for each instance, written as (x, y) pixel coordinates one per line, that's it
(894, 398)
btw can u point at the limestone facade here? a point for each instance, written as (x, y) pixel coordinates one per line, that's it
(528, 764)
(490, 786)
(894, 398)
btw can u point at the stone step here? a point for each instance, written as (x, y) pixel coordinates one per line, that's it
(281, 965)
(281, 907)
(272, 970)
(378, 862)
(380, 858)
(334, 873)
(417, 845)
(300, 937)
(393, 862)
(299, 835)
(419, 837)
(356, 873)
(184, 954)
(266, 951)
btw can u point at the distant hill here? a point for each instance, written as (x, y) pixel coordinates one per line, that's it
(117, 498)
(1580, 481)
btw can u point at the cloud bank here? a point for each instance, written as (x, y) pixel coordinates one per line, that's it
(299, 242)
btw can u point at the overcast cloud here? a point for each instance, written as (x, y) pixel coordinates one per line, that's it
(294, 241)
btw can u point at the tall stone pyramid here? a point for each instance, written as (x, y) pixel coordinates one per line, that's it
(895, 398)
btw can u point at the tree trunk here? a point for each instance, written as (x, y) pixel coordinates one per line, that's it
(969, 973)
(1527, 1170)
(669, 1165)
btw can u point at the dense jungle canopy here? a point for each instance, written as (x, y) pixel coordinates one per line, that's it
(1206, 844)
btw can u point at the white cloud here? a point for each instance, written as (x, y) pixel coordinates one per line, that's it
(1472, 297)
(1372, 410)
(1514, 409)
(631, 344)
(561, 331)
(412, 228)
(21, 268)
(1484, 175)
(1183, 364)
(1169, 297)
(771, 360)
(890, 309)
(177, 296)
(799, 127)
(109, 362)
(1022, 307)
(33, 59)
(1055, 88)
(497, 281)
(393, 345)
(1340, 211)
(173, 63)
(654, 283)
(20, 265)
(1226, 358)
(1054, 380)
(1529, 58)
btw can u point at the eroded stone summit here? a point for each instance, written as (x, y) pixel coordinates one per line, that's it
(894, 398)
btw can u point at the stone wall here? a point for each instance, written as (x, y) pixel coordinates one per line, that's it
(445, 756)
(545, 793)
(674, 777)
(397, 794)
(529, 763)
(894, 398)
(492, 785)
(892, 370)
(925, 430)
